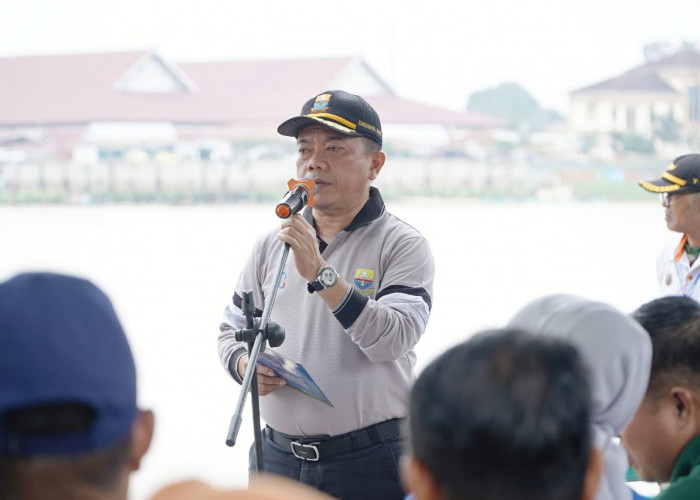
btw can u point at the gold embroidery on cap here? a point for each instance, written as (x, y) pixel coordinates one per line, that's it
(337, 118)
(674, 179)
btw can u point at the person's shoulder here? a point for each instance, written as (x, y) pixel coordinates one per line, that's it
(400, 226)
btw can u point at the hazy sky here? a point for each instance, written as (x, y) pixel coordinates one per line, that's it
(436, 51)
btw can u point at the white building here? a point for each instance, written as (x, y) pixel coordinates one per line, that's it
(636, 101)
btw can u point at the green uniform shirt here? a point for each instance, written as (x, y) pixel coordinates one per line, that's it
(685, 478)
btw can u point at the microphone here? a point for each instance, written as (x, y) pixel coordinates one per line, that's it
(301, 192)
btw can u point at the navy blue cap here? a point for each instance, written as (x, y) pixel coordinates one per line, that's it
(681, 176)
(61, 342)
(338, 110)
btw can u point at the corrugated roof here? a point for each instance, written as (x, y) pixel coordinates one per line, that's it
(83, 88)
(646, 77)
(80, 88)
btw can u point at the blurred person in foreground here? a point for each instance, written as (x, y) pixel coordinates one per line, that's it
(663, 437)
(261, 487)
(354, 303)
(678, 266)
(70, 427)
(617, 353)
(504, 415)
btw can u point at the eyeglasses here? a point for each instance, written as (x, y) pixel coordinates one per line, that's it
(666, 197)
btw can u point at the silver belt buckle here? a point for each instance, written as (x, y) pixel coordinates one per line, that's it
(305, 451)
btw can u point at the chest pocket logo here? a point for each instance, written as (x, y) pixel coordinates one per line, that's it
(364, 278)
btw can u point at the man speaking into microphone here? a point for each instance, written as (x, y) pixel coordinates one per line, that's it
(354, 301)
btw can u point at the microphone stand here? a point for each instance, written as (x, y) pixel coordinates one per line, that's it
(255, 334)
(301, 192)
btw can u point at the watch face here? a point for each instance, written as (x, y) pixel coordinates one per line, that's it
(328, 277)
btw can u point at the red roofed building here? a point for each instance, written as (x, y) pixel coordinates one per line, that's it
(96, 106)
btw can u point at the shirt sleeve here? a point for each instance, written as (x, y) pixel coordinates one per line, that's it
(389, 326)
(230, 350)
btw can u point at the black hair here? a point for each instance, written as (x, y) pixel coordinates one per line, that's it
(100, 469)
(505, 414)
(673, 324)
(371, 146)
(666, 311)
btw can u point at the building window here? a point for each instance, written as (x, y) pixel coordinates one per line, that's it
(631, 119)
(694, 103)
(591, 111)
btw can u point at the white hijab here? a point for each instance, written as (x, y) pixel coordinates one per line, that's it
(617, 351)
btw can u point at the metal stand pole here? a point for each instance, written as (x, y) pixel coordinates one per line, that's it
(255, 334)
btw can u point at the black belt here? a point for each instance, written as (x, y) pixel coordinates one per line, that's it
(313, 449)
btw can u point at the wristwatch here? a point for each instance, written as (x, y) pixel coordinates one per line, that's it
(326, 278)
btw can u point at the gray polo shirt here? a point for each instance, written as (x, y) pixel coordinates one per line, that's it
(361, 355)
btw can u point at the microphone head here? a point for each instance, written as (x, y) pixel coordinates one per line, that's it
(283, 211)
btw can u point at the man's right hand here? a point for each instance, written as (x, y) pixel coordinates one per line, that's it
(268, 382)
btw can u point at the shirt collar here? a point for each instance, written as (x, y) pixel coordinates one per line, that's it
(371, 211)
(680, 250)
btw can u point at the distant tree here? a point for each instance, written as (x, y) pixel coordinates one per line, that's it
(631, 143)
(617, 141)
(653, 51)
(688, 45)
(504, 148)
(636, 143)
(667, 128)
(514, 104)
(588, 142)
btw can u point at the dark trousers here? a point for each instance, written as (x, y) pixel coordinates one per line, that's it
(368, 473)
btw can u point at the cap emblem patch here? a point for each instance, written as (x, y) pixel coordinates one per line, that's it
(321, 103)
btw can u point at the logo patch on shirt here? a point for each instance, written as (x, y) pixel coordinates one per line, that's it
(283, 282)
(363, 280)
(669, 279)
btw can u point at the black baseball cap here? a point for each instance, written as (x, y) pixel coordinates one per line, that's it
(346, 113)
(681, 176)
